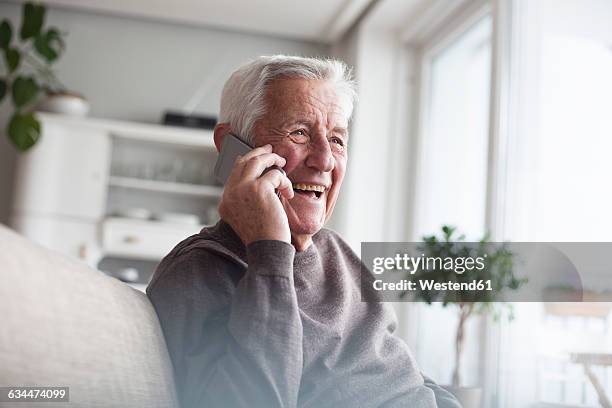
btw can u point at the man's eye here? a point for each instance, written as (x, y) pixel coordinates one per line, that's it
(299, 136)
(337, 141)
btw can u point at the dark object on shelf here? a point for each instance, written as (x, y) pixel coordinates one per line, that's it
(173, 118)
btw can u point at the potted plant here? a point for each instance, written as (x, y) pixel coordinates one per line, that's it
(28, 58)
(498, 268)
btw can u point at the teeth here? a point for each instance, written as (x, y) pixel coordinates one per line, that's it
(309, 187)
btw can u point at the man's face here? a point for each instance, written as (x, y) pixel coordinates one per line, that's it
(306, 123)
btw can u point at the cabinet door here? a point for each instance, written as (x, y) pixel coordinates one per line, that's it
(65, 173)
(76, 238)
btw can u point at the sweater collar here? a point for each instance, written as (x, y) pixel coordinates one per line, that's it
(225, 235)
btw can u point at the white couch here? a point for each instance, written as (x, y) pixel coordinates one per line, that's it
(64, 324)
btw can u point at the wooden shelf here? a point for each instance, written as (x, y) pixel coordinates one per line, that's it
(166, 186)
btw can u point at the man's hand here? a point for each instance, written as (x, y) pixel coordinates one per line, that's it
(249, 202)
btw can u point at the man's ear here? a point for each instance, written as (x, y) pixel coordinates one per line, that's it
(221, 129)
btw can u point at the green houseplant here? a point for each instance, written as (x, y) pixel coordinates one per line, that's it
(28, 74)
(499, 265)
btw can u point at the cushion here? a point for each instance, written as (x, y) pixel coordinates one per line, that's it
(65, 324)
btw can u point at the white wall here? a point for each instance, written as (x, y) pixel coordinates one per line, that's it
(135, 69)
(376, 188)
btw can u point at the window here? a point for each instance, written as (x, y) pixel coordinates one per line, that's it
(452, 172)
(558, 164)
(454, 139)
(548, 96)
(562, 146)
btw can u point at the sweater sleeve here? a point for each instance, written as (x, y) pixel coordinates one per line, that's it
(232, 345)
(444, 399)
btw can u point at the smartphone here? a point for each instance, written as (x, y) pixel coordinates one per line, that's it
(231, 148)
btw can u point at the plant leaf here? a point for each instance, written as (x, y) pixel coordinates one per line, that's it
(3, 87)
(49, 44)
(33, 18)
(24, 130)
(6, 32)
(25, 90)
(12, 57)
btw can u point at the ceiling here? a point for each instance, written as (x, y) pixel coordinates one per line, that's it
(314, 20)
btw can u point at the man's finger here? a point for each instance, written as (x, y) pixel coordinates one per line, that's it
(241, 161)
(279, 182)
(256, 152)
(258, 164)
(274, 167)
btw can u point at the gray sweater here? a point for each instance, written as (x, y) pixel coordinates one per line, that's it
(266, 326)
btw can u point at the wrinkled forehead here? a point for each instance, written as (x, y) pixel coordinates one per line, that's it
(300, 97)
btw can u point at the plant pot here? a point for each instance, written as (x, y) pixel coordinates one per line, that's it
(65, 103)
(469, 397)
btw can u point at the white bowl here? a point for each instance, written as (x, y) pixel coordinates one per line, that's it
(178, 218)
(66, 104)
(135, 213)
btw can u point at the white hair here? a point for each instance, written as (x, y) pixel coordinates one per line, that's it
(243, 97)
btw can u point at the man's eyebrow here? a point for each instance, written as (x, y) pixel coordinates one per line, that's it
(301, 120)
(297, 119)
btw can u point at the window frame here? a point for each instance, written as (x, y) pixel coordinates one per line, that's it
(420, 48)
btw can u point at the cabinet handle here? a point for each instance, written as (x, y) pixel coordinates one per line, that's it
(82, 251)
(131, 239)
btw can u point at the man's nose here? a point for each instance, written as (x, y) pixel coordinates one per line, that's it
(320, 156)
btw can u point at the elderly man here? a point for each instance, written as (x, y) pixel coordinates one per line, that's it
(264, 309)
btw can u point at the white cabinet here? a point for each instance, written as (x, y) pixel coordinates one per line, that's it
(66, 173)
(141, 239)
(72, 236)
(116, 195)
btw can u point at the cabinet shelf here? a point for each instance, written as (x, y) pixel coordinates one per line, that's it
(105, 169)
(166, 186)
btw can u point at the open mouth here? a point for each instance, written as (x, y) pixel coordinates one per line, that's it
(314, 191)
